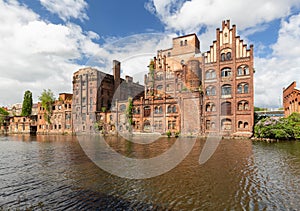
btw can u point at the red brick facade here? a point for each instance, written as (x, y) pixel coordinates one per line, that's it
(199, 93)
(291, 99)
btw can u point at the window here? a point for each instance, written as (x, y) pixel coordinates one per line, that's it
(225, 72)
(226, 90)
(243, 88)
(159, 87)
(169, 87)
(158, 110)
(207, 124)
(122, 107)
(210, 91)
(240, 124)
(210, 107)
(228, 56)
(171, 124)
(210, 74)
(159, 76)
(185, 42)
(226, 124)
(243, 105)
(181, 42)
(169, 54)
(223, 57)
(147, 125)
(169, 109)
(147, 111)
(226, 108)
(243, 70)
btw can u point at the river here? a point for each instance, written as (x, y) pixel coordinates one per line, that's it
(53, 173)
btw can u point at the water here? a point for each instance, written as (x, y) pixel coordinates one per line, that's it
(53, 173)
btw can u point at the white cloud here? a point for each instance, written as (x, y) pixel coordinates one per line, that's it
(36, 54)
(283, 66)
(190, 16)
(67, 9)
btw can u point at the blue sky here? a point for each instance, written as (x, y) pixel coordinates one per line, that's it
(44, 41)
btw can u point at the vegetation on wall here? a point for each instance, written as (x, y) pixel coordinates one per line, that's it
(27, 104)
(151, 71)
(3, 114)
(47, 99)
(284, 128)
(129, 113)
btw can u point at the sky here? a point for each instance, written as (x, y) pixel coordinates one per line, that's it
(43, 42)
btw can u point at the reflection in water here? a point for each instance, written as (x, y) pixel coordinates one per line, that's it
(54, 173)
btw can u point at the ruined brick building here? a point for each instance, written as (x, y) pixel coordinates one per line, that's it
(291, 99)
(199, 93)
(95, 92)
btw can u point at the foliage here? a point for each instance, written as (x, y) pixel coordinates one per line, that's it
(284, 128)
(47, 99)
(103, 109)
(129, 112)
(151, 71)
(260, 109)
(168, 133)
(3, 114)
(27, 104)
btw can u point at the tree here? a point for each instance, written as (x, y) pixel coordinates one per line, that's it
(27, 104)
(47, 98)
(3, 114)
(129, 114)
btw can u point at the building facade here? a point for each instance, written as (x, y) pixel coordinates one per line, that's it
(291, 99)
(94, 95)
(60, 118)
(198, 93)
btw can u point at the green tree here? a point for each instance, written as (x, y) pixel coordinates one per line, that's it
(129, 114)
(47, 99)
(27, 104)
(3, 114)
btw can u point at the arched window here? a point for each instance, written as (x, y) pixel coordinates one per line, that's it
(147, 125)
(243, 70)
(226, 89)
(228, 56)
(243, 105)
(169, 87)
(159, 87)
(226, 124)
(169, 109)
(210, 91)
(226, 108)
(156, 109)
(246, 125)
(210, 107)
(208, 125)
(147, 111)
(210, 74)
(159, 76)
(243, 88)
(226, 72)
(223, 57)
(240, 124)
(174, 109)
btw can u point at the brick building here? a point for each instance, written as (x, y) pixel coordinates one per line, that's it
(200, 93)
(291, 99)
(95, 93)
(60, 119)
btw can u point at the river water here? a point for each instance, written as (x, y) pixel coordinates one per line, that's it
(54, 173)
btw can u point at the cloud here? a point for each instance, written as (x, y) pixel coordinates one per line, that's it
(282, 67)
(36, 54)
(67, 9)
(190, 16)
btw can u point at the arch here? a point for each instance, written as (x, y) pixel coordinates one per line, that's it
(228, 56)
(210, 74)
(226, 124)
(226, 89)
(147, 111)
(243, 105)
(243, 70)
(223, 57)
(246, 125)
(210, 91)
(174, 109)
(243, 88)
(159, 87)
(240, 124)
(226, 72)
(210, 107)
(226, 108)
(147, 125)
(169, 110)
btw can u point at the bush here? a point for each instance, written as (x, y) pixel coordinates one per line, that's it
(168, 133)
(284, 128)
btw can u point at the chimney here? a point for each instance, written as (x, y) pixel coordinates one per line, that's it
(117, 73)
